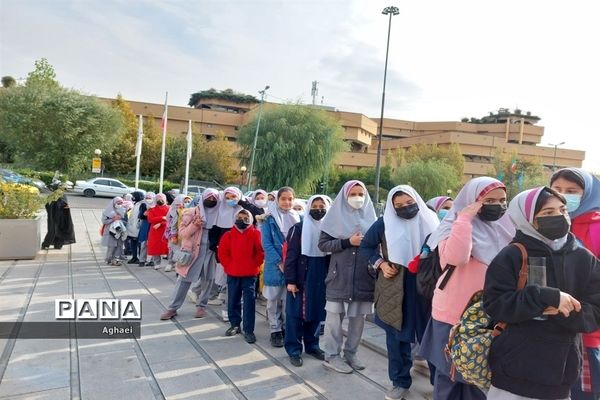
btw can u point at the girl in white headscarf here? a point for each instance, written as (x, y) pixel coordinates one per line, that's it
(538, 355)
(274, 230)
(349, 283)
(468, 238)
(305, 271)
(113, 212)
(180, 203)
(399, 310)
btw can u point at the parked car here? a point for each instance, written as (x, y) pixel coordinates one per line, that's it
(13, 177)
(106, 187)
(194, 190)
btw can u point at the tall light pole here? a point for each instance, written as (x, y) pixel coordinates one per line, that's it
(262, 100)
(555, 147)
(391, 11)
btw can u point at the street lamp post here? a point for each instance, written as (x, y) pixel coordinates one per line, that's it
(391, 11)
(262, 99)
(555, 147)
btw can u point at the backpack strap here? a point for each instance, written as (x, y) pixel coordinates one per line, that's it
(501, 326)
(524, 271)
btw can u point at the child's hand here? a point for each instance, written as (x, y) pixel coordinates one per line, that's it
(356, 239)
(292, 289)
(156, 226)
(471, 210)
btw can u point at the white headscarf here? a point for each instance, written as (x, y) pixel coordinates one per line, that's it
(209, 215)
(343, 221)
(437, 202)
(284, 219)
(404, 237)
(311, 229)
(522, 213)
(226, 216)
(253, 198)
(488, 237)
(110, 210)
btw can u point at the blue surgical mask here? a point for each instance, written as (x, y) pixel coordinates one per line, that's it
(231, 203)
(573, 201)
(442, 213)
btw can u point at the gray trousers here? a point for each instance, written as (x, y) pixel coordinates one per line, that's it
(181, 288)
(276, 296)
(143, 251)
(156, 260)
(333, 339)
(114, 252)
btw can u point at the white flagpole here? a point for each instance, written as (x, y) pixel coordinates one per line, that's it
(164, 140)
(188, 157)
(138, 151)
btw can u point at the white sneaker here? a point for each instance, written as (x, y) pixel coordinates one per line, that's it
(169, 268)
(192, 296)
(215, 302)
(157, 267)
(225, 316)
(397, 393)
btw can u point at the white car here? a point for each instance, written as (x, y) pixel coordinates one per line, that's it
(102, 187)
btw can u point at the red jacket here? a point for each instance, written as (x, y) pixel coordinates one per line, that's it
(241, 253)
(157, 244)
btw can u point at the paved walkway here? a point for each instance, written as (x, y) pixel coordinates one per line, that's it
(185, 358)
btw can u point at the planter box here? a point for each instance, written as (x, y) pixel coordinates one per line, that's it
(19, 238)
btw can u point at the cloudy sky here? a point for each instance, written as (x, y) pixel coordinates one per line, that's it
(448, 59)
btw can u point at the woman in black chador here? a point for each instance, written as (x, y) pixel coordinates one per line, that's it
(60, 224)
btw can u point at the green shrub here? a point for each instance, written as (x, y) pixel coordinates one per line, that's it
(150, 186)
(19, 201)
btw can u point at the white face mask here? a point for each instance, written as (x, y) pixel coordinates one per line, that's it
(261, 203)
(356, 202)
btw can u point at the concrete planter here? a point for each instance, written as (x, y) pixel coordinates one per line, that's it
(19, 238)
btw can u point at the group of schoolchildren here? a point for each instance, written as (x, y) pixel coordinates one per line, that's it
(336, 260)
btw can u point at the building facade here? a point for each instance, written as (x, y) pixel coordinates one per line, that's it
(478, 139)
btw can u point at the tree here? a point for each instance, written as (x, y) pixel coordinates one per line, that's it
(451, 157)
(49, 127)
(516, 173)
(227, 94)
(121, 159)
(296, 144)
(430, 178)
(8, 82)
(42, 75)
(151, 148)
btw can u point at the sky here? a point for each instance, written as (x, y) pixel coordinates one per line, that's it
(447, 59)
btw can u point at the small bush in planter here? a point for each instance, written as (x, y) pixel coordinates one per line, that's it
(19, 201)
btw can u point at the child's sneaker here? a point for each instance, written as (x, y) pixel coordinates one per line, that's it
(169, 268)
(225, 316)
(232, 331)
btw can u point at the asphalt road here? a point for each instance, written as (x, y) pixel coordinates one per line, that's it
(80, 201)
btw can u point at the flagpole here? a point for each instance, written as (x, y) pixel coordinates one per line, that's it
(188, 157)
(164, 140)
(138, 151)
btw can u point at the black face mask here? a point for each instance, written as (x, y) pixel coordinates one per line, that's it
(241, 224)
(160, 203)
(407, 212)
(492, 212)
(553, 227)
(209, 203)
(317, 213)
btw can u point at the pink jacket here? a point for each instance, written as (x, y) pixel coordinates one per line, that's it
(190, 235)
(468, 277)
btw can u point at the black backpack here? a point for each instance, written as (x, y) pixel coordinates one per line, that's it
(430, 271)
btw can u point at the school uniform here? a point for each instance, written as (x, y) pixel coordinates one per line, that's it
(241, 254)
(469, 244)
(349, 283)
(535, 358)
(306, 267)
(399, 310)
